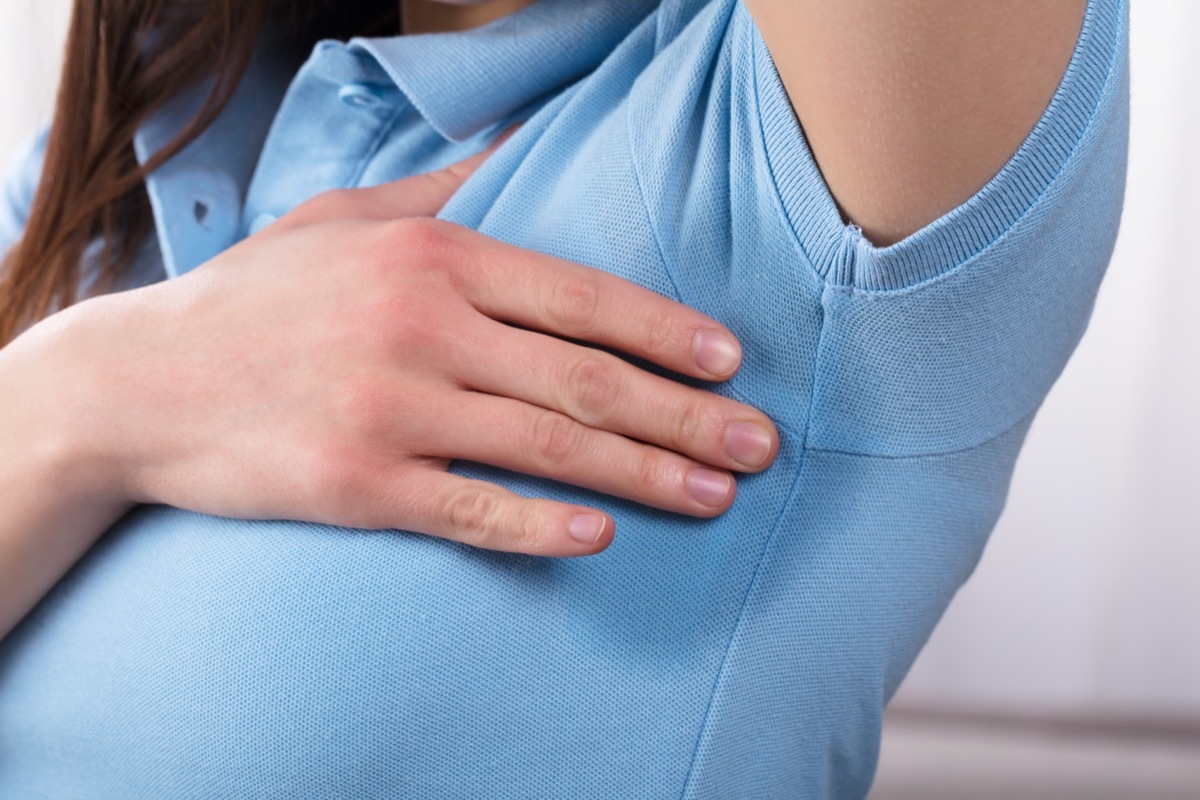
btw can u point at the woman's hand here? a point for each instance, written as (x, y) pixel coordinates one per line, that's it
(330, 367)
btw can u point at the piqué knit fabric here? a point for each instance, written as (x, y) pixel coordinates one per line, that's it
(748, 656)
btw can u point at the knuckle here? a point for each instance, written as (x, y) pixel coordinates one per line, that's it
(573, 302)
(421, 241)
(555, 439)
(661, 333)
(473, 515)
(593, 386)
(655, 474)
(528, 534)
(690, 424)
(408, 259)
(421, 249)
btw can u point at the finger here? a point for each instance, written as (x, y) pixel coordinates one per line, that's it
(421, 195)
(516, 436)
(416, 196)
(606, 393)
(567, 299)
(485, 515)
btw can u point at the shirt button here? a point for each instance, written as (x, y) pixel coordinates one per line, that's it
(201, 206)
(359, 95)
(260, 222)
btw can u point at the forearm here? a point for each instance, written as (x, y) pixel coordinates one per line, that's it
(56, 497)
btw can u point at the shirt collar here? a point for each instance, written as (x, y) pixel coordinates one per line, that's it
(461, 83)
(465, 82)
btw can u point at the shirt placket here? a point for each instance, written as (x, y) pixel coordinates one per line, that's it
(338, 110)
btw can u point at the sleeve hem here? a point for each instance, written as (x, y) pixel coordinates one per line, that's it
(971, 227)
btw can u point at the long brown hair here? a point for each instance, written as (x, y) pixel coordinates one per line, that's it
(124, 60)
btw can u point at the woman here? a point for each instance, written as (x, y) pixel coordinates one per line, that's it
(328, 367)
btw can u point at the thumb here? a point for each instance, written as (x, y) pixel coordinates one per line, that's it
(420, 195)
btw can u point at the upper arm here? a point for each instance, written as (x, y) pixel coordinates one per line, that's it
(911, 106)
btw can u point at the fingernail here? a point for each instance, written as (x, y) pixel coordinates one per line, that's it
(708, 487)
(716, 353)
(586, 528)
(747, 443)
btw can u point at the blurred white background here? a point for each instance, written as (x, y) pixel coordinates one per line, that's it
(1088, 597)
(31, 37)
(1087, 602)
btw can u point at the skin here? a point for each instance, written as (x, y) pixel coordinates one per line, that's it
(359, 386)
(352, 399)
(911, 106)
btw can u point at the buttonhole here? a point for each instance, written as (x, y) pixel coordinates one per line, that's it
(200, 211)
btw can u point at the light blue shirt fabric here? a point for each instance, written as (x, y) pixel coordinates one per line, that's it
(748, 656)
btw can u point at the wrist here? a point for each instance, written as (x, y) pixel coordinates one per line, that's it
(59, 418)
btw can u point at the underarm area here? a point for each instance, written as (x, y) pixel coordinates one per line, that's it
(911, 106)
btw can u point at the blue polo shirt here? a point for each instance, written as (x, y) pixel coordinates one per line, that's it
(748, 656)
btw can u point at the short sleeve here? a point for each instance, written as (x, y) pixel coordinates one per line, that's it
(20, 183)
(955, 334)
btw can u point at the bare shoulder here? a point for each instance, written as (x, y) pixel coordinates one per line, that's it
(911, 106)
